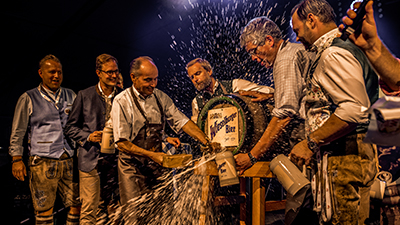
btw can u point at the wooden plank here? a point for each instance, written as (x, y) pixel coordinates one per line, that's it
(258, 203)
(242, 183)
(229, 200)
(202, 220)
(260, 169)
(205, 193)
(274, 205)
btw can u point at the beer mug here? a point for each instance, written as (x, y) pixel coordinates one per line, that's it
(288, 174)
(107, 141)
(377, 189)
(226, 169)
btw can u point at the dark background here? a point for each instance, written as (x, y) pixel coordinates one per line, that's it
(172, 32)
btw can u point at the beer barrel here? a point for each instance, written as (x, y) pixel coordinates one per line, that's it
(253, 119)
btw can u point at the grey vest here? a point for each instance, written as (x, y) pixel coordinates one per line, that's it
(46, 123)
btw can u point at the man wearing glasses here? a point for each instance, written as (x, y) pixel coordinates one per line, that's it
(263, 40)
(89, 115)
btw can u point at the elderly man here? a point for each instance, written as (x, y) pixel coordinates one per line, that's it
(262, 39)
(43, 113)
(139, 114)
(200, 73)
(341, 85)
(89, 115)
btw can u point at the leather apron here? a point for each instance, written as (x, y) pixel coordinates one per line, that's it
(138, 174)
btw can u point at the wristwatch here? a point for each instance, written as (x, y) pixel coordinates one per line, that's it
(253, 160)
(312, 144)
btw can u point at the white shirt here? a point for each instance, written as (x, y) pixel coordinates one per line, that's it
(127, 119)
(340, 77)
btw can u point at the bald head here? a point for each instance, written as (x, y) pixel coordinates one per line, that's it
(144, 75)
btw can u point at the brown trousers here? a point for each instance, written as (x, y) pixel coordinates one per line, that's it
(351, 175)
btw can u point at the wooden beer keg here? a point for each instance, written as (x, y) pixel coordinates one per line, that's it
(253, 119)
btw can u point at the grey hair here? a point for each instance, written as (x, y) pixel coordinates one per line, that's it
(204, 63)
(319, 8)
(136, 63)
(257, 30)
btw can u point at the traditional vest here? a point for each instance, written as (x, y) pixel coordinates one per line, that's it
(47, 123)
(203, 97)
(370, 80)
(370, 77)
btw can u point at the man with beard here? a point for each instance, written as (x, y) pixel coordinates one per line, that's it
(341, 85)
(200, 73)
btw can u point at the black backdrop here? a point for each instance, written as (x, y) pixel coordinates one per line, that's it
(172, 32)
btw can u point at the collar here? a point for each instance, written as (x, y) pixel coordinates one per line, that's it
(50, 96)
(136, 92)
(102, 93)
(215, 85)
(43, 90)
(324, 41)
(283, 45)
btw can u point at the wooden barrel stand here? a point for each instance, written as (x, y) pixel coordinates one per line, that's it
(252, 194)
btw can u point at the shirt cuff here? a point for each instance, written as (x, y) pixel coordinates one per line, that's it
(283, 113)
(16, 151)
(183, 123)
(352, 113)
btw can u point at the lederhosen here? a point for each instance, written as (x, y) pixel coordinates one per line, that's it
(346, 166)
(138, 174)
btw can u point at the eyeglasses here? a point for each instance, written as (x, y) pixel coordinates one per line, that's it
(111, 72)
(253, 51)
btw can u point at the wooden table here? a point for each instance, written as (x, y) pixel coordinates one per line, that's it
(252, 194)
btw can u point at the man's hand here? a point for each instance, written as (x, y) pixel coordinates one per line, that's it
(368, 37)
(96, 136)
(257, 96)
(19, 170)
(212, 147)
(301, 154)
(173, 141)
(157, 157)
(242, 162)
